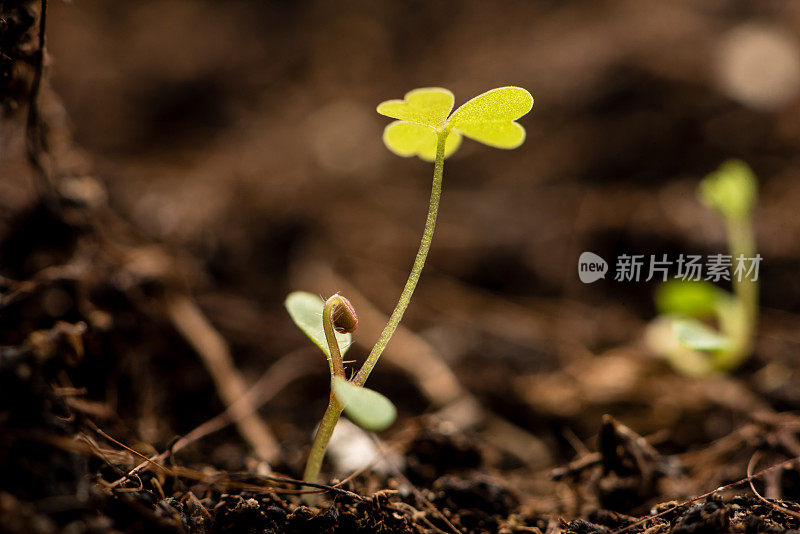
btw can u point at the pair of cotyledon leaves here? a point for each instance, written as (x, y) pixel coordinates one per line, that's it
(679, 333)
(488, 118)
(367, 408)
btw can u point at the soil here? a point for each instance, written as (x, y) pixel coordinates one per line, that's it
(169, 171)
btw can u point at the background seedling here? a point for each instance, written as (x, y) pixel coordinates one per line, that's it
(425, 128)
(679, 334)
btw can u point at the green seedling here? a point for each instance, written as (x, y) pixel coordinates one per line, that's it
(425, 128)
(682, 332)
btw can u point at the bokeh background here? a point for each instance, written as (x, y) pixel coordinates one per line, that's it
(245, 135)
(241, 137)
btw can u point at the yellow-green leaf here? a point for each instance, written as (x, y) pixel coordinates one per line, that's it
(367, 408)
(489, 117)
(685, 297)
(428, 106)
(408, 139)
(305, 310)
(731, 189)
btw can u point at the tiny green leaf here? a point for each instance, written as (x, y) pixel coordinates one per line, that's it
(428, 106)
(367, 408)
(731, 190)
(305, 310)
(683, 297)
(408, 139)
(489, 117)
(660, 336)
(697, 336)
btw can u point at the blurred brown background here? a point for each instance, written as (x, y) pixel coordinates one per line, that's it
(242, 136)
(246, 131)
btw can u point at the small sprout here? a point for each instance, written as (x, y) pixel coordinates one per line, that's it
(731, 190)
(367, 408)
(329, 325)
(678, 334)
(425, 128)
(345, 320)
(305, 309)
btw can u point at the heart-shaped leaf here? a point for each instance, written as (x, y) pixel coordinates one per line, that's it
(305, 309)
(428, 106)
(367, 408)
(408, 139)
(489, 117)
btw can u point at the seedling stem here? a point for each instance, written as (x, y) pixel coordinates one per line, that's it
(334, 409)
(416, 270)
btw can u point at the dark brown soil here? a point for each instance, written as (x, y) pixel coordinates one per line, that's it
(170, 170)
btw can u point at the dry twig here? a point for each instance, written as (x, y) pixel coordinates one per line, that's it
(192, 324)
